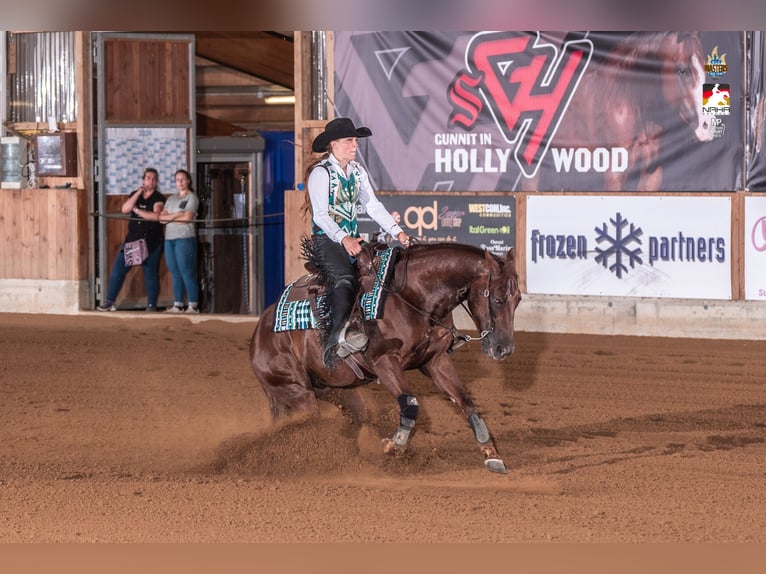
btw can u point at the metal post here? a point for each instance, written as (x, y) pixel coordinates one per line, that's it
(318, 75)
(3, 82)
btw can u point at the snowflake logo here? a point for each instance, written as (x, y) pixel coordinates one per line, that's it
(618, 248)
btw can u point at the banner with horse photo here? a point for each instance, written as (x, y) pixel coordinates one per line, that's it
(541, 111)
(756, 135)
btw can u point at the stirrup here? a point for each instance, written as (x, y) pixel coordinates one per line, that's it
(353, 343)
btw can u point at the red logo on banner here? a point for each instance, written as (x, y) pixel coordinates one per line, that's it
(716, 99)
(527, 85)
(716, 95)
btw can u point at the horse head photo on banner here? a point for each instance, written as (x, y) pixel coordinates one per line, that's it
(638, 107)
(548, 111)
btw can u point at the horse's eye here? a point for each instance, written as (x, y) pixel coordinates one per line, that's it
(497, 301)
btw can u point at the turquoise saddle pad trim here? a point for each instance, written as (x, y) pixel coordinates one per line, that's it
(298, 315)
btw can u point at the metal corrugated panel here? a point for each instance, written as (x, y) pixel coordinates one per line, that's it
(42, 78)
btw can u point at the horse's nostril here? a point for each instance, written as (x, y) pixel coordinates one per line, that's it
(503, 351)
(508, 350)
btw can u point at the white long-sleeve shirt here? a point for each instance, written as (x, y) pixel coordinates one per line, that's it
(319, 194)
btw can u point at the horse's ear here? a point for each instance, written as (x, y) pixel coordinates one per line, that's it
(491, 260)
(510, 257)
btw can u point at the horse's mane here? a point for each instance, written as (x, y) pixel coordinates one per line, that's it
(440, 258)
(449, 246)
(443, 253)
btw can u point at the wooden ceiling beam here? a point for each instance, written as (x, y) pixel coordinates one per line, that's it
(251, 114)
(259, 54)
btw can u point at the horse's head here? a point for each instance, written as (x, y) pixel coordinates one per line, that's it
(683, 74)
(492, 300)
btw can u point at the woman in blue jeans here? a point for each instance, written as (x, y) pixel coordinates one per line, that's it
(144, 206)
(181, 243)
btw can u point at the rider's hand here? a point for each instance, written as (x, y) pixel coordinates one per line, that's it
(403, 238)
(352, 245)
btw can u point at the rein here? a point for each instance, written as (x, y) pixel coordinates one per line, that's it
(458, 339)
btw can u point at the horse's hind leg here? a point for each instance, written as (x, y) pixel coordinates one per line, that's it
(287, 396)
(282, 376)
(285, 384)
(349, 400)
(277, 409)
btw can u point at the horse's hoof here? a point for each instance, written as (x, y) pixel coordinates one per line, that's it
(495, 465)
(389, 446)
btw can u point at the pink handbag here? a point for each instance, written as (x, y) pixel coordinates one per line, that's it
(136, 252)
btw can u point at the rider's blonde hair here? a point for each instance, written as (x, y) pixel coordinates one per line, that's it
(306, 198)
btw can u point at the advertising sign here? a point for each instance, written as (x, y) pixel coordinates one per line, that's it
(542, 111)
(629, 246)
(755, 248)
(486, 221)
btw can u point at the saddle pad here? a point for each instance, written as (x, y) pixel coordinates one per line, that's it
(292, 315)
(372, 301)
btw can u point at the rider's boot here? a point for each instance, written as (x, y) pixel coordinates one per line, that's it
(343, 337)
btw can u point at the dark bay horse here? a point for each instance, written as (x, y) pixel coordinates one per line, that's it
(416, 331)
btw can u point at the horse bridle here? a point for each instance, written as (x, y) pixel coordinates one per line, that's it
(490, 315)
(458, 338)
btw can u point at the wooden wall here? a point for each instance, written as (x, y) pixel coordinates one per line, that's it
(142, 79)
(306, 129)
(48, 233)
(296, 227)
(43, 234)
(306, 126)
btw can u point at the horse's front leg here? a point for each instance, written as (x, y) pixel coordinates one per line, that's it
(408, 415)
(391, 376)
(443, 373)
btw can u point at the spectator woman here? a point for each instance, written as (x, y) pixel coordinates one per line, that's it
(144, 206)
(181, 243)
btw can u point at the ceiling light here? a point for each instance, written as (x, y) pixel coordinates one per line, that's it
(275, 100)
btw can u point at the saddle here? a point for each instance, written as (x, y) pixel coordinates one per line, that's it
(301, 305)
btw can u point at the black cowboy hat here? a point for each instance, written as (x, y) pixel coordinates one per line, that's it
(336, 129)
